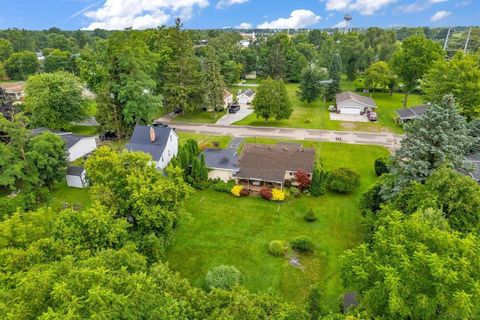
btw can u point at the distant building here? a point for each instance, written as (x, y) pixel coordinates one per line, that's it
(351, 103)
(160, 142)
(408, 114)
(222, 163)
(12, 92)
(244, 43)
(246, 96)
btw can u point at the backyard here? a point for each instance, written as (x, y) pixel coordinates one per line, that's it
(236, 231)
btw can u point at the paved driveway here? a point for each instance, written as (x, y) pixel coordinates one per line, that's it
(348, 117)
(231, 118)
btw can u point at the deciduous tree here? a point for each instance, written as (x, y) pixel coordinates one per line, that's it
(271, 100)
(311, 87)
(20, 65)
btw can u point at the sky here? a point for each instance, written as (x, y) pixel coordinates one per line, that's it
(205, 14)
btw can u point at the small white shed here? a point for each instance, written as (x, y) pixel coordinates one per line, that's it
(76, 177)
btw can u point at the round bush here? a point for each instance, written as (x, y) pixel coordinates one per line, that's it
(343, 180)
(302, 243)
(277, 248)
(310, 216)
(381, 166)
(224, 277)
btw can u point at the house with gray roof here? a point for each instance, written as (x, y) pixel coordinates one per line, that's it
(408, 114)
(159, 142)
(351, 103)
(76, 177)
(246, 96)
(222, 163)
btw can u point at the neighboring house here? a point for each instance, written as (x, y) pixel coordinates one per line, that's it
(77, 145)
(251, 75)
(222, 163)
(246, 96)
(12, 91)
(351, 103)
(76, 177)
(227, 98)
(272, 165)
(474, 159)
(40, 56)
(408, 114)
(160, 142)
(244, 43)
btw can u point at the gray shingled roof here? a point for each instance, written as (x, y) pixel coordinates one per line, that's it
(140, 141)
(221, 159)
(75, 171)
(270, 162)
(70, 138)
(412, 113)
(349, 95)
(248, 92)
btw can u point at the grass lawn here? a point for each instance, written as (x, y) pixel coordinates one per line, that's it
(228, 230)
(84, 130)
(204, 140)
(73, 196)
(200, 117)
(316, 115)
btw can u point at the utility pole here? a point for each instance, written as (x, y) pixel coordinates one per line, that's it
(468, 39)
(446, 40)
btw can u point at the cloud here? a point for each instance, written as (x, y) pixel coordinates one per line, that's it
(365, 7)
(140, 14)
(298, 19)
(244, 25)
(340, 25)
(227, 3)
(440, 15)
(419, 5)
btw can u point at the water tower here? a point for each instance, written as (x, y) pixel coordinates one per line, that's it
(347, 18)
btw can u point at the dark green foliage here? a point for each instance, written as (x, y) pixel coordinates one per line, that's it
(318, 185)
(221, 186)
(381, 166)
(302, 244)
(277, 248)
(213, 82)
(474, 131)
(314, 306)
(195, 171)
(224, 277)
(343, 180)
(372, 199)
(6, 49)
(311, 88)
(20, 65)
(58, 60)
(310, 216)
(335, 73)
(271, 100)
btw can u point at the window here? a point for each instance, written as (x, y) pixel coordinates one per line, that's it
(171, 138)
(169, 153)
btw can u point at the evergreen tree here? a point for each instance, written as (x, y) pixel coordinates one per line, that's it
(318, 185)
(335, 73)
(213, 82)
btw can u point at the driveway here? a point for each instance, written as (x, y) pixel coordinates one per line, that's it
(231, 118)
(348, 117)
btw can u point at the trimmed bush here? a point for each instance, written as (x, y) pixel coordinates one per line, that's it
(343, 180)
(266, 193)
(277, 248)
(381, 166)
(237, 190)
(244, 193)
(302, 243)
(278, 195)
(319, 182)
(310, 216)
(221, 186)
(224, 277)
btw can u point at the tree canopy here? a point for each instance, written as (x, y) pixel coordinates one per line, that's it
(271, 100)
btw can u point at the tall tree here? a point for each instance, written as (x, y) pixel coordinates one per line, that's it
(6, 49)
(213, 82)
(414, 60)
(311, 87)
(271, 100)
(58, 60)
(20, 65)
(54, 100)
(416, 268)
(460, 77)
(335, 73)
(379, 75)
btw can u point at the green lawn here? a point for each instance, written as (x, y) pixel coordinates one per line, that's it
(199, 117)
(316, 115)
(84, 130)
(204, 140)
(228, 230)
(63, 195)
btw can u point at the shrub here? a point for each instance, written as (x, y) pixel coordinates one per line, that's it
(266, 193)
(244, 193)
(319, 182)
(224, 277)
(343, 180)
(303, 180)
(310, 216)
(381, 166)
(221, 186)
(237, 190)
(294, 191)
(302, 243)
(277, 248)
(278, 195)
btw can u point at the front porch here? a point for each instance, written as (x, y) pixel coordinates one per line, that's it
(257, 185)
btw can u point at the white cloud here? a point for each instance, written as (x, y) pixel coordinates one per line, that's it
(244, 25)
(340, 25)
(227, 3)
(419, 5)
(365, 7)
(440, 15)
(140, 14)
(298, 19)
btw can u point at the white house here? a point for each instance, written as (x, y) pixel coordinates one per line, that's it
(244, 43)
(352, 103)
(222, 163)
(246, 96)
(76, 177)
(77, 145)
(12, 91)
(227, 98)
(161, 143)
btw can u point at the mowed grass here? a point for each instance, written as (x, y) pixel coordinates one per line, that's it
(228, 230)
(204, 140)
(317, 116)
(199, 117)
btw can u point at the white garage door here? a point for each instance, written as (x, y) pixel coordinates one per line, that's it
(350, 110)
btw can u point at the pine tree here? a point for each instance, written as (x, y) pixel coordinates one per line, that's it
(213, 83)
(319, 182)
(335, 73)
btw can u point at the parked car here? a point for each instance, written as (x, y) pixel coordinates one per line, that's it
(234, 108)
(108, 136)
(178, 110)
(159, 124)
(372, 116)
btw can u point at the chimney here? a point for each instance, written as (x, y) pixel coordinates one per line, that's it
(152, 135)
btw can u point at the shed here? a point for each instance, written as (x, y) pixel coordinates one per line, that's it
(76, 177)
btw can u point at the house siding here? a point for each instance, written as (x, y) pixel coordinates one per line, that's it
(81, 148)
(171, 150)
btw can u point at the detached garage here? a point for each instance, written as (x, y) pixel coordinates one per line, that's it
(352, 103)
(76, 177)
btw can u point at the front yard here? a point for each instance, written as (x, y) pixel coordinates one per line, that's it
(228, 230)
